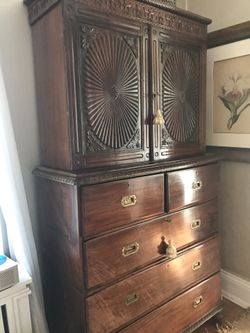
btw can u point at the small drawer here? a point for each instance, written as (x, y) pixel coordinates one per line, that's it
(193, 224)
(114, 306)
(187, 187)
(122, 252)
(120, 203)
(192, 305)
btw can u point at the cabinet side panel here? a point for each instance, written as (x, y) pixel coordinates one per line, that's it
(51, 90)
(61, 255)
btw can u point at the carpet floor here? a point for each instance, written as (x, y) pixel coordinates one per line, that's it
(240, 326)
(232, 313)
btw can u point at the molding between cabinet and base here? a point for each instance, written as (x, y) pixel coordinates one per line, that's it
(235, 289)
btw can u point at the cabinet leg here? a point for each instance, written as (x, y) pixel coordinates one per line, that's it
(218, 318)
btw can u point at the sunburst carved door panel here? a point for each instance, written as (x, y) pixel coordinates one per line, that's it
(179, 96)
(112, 106)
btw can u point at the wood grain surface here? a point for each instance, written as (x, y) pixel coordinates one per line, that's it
(182, 228)
(102, 207)
(192, 186)
(179, 314)
(150, 288)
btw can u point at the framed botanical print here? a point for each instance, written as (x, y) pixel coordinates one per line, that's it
(228, 94)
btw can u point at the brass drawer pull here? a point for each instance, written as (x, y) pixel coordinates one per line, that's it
(196, 265)
(128, 200)
(196, 186)
(196, 224)
(197, 302)
(132, 299)
(130, 249)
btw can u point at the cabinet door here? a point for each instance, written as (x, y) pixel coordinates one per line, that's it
(111, 65)
(178, 92)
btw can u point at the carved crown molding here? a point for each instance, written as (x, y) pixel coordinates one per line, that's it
(171, 5)
(163, 3)
(38, 8)
(148, 12)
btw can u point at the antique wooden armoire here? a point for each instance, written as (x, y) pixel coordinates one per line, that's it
(127, 197)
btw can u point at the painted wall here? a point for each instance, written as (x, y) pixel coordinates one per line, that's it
(235, 177)
(223, 12)
(235, 217)
(181, 4)
(17, 64)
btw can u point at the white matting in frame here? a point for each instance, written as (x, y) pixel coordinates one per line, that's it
(229, 137)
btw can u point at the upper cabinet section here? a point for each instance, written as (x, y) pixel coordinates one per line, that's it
(118, 82)
(178, 78)
(110, 73)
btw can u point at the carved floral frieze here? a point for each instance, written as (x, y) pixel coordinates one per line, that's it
(39, 8)
(145, 13)
(125, 8)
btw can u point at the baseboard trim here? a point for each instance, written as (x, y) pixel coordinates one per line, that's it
(235, 289)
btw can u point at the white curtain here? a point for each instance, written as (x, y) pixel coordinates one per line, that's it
(15, 211)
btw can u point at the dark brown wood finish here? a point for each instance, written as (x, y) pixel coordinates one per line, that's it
(110, 62)
(192, 186)
(146, 242)
(37, 8)
(111, 191)
(61, 232)
(179, 314)
(51, 90)
(103, 207)
(58, 213)
(126, 300)
(61, 254)
(178, 67)
(110, 84)
(231, 313)
(64, 305)
(99, 176)
(228, 35)
(232, 154)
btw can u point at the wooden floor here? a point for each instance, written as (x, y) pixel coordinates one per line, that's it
(231, 313)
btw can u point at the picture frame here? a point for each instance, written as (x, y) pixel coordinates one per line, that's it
(228, 113)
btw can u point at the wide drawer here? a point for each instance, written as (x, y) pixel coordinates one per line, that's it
(126, 300)
(187, 187)
(122, 252)
(182, 312)
(119, 203)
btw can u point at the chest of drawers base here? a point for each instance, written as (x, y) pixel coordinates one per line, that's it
(105, 248)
